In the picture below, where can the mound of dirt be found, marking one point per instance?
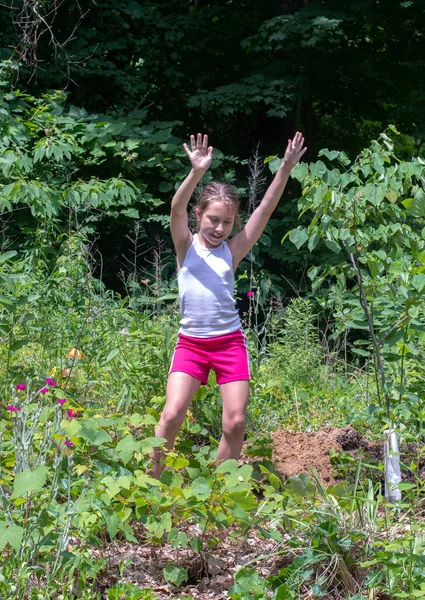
(295, 452)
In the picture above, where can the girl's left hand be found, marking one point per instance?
(294, 150)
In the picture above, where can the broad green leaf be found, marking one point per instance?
(298, 237)
(313, 241)
(113, 522)
(176, 462)
(96, 437)
(274, 164)
(375, 192)
(318, 168)
(300, 171)
(250, 583)
(300, 485)
(332, 245)
(330, 154)
(125, 448)
(195, 544)
(132, 213)
(175, 575)
(392, 196)
(283, 592)
(415, 206)
(72, 427)
(228, 466)
(29, 481)
(245, 500)
(157, 526)
(201, 488)
(11, 534)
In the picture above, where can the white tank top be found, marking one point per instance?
(206, 285)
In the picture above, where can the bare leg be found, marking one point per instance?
(235, 396)
(181, 388)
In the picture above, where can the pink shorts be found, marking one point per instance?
(226, 354)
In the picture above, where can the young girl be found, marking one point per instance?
(210, 336)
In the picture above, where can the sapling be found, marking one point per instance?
(365, 213)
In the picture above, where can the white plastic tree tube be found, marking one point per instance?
(392, 466)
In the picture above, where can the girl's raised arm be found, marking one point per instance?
(200, 157)
(242, 243)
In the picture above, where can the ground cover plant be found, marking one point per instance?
(82, 385)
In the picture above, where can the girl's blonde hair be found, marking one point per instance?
(215, 191)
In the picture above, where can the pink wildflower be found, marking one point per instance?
(250, 294)
(61, 400)
(44, 390)
(20, 386)
(50, 381)
(72, 413)
(13, 408)
(68, 443)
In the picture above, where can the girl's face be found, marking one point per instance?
(215, 223)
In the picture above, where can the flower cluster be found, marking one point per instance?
(13, 408)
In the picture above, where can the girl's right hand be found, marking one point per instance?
(201, 154)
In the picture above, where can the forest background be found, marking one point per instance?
(250, 74)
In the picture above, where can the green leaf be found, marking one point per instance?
(125, 448)
(113, 353)
(299, 172)
(228, 466)
(415, 206)
(72, 428)
(332, 245)
(96, 437)
(313, 241)
(131, 212)
(157, 526)
(176, 463)
(6, 255)
(244, 499)
(298, 237)
(274, 164)
(175, 575)
(201, 488)
(330, 154)
(375, 193)
(29, 481)
(11, 534)
(300, 485)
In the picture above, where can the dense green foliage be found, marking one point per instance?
(86, 177)
(75, 445)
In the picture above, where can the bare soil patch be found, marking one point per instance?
(295, 453)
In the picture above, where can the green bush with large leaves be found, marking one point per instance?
(370, 213)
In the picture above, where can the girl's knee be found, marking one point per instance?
(234, 423)
(171, 417)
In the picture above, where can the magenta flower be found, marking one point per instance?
(68, 443)
(13, 408)
(50, 381)
(72, 413)
(44, 390)
(61, 400)
(20, 386)
(250, 294)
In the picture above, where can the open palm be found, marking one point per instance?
(200, 154)
(294, 150)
